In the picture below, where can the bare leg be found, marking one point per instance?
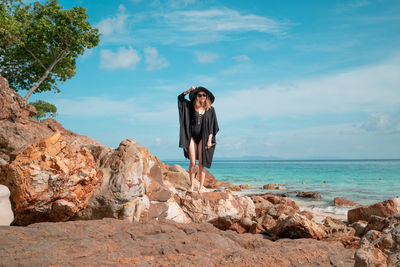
(192, 157)
(202, 173)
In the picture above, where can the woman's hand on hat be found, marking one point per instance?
(191, 89)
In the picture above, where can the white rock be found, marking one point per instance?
(6, 213)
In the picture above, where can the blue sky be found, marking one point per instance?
(292, 79)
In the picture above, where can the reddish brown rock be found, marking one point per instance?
(74, 141)
(269, 187)
(342, 202)
(339, 231)
(261, 205)
(129, 172)
(350, 242)
(13, 107)
(310, 195)
(385, 244)
(380, 224)
(370, 257)
(176, 176)
(359, 227)
(49, 181)
(381, 209)
(17, 128)
(268, 222)
(219, 208)
(298, 226)
(256, 228)
(335, 227)
(233, 187)
(306, 213)
(280, 206)
(114, 243)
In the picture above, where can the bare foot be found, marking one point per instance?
(190, 190)
(201, 191)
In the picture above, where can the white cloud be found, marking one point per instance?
(206, 57)
(220, 20)
(97, 106)
(114, 24)
(351, 5)
(180, 3)
(241, 58)
(364, 89)
(153, 60)
(381, 123)
(184, 27)
(124, 58)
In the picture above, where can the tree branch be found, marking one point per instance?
(47, 72)
(36, 59)
(52, 52)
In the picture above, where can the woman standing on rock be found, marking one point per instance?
(198, 127)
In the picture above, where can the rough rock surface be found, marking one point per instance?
(219, 208)
(6, 213)
(310, 195)
(274, 205)
(17, 128)
(339, 231)
(49, 181)
(269, 187)
(115, 242)
(380, 245)
(342, 202)
(381, 209)
(128, 173)
(298, 226)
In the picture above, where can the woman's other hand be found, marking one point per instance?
(209, 144)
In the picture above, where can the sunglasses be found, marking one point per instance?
(201, 95)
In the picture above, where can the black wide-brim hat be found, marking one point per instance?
(193, 94)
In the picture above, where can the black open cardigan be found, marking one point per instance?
(210, 126)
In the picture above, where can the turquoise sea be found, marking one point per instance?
(361, 181)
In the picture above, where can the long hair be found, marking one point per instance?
(207, 104)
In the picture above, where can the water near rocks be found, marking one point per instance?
(361, 181)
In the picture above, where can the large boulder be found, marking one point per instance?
(381, 209)
(6, 213)
(219, 208)
(158, 243)
(49, 181)
(129, 172)
(298, 226)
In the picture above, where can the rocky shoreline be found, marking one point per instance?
(80, 202)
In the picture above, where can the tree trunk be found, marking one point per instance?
(46, 73)
(36, 85)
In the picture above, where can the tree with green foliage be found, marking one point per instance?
(44, 109)
(40, 42)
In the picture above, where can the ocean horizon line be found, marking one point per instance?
(289, 159)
